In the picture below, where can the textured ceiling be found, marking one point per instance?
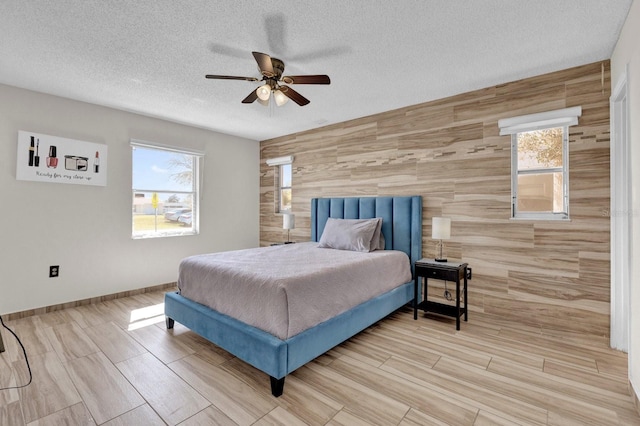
(151, 56)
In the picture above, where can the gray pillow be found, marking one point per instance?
(352, 234)
(377, 241)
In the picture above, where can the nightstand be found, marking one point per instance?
(446, 271)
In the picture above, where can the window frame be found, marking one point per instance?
(278, 164)
(197, 158)
(282, 187)
(560, 118)
(516, 173)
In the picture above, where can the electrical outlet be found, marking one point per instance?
(54, 271)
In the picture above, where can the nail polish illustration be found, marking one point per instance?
(96, 163)
(52, 159)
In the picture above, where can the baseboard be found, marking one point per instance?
(93, 300)
(634, 395)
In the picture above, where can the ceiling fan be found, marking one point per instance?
(274, 82)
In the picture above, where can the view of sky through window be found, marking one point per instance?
(156, 169)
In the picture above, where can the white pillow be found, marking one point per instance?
(352, 234)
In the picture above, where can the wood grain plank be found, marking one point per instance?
(363, 401)
(305, 402)
(435, 403)
(70, 341)
(535, 395)
(52, 391)
(168, 395)
(445, 387)
(279, 416)
(161, 343)
(223, 390)
(114, 342)
(103, 389)
(77, 415)
(142, 415)
(11, 414)
(210, 416)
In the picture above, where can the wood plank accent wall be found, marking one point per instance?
(551, 274)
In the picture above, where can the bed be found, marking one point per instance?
(279, 355)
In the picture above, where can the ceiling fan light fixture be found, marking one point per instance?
(272, 70)
(280, 97)
(264, 92)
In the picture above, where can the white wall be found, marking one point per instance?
(87, 229)
(627, 54)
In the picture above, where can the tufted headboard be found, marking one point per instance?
(401, 219)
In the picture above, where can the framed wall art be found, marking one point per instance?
(53, 159)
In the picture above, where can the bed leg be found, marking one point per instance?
(277, 386)
(169, 322)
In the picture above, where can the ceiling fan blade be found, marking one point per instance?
(306, 79)
(230, 77)
(264, 63)
(275, 25)
(222, 49)
(252, 97)
(294, 96)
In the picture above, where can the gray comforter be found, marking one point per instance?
(287, 289)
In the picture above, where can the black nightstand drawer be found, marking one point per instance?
(438, 274)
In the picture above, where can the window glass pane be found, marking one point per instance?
(164, 193)
(285, 175)
(170, 217)
(156, 168)
(285, 199)
(540, 149)
(540, 192)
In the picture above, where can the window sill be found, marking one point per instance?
(542, 218)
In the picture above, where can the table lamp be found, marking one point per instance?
(441, 230)
(288, 223)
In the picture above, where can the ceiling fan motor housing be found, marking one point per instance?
(278, 68)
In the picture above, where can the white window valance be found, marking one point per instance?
(280, 160)
(153, 145)
(541, 120)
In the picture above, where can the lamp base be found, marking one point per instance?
(440, 260)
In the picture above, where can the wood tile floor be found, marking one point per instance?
(114, 363)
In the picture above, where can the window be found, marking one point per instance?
(540, 178)
(165, 184)
(283, 180)
(285, 187)
(540, 163)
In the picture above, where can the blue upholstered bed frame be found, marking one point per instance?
(402, 229)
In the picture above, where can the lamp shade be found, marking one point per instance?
(288, 221)
(280, 97)
(441, 228)
(264, 92)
